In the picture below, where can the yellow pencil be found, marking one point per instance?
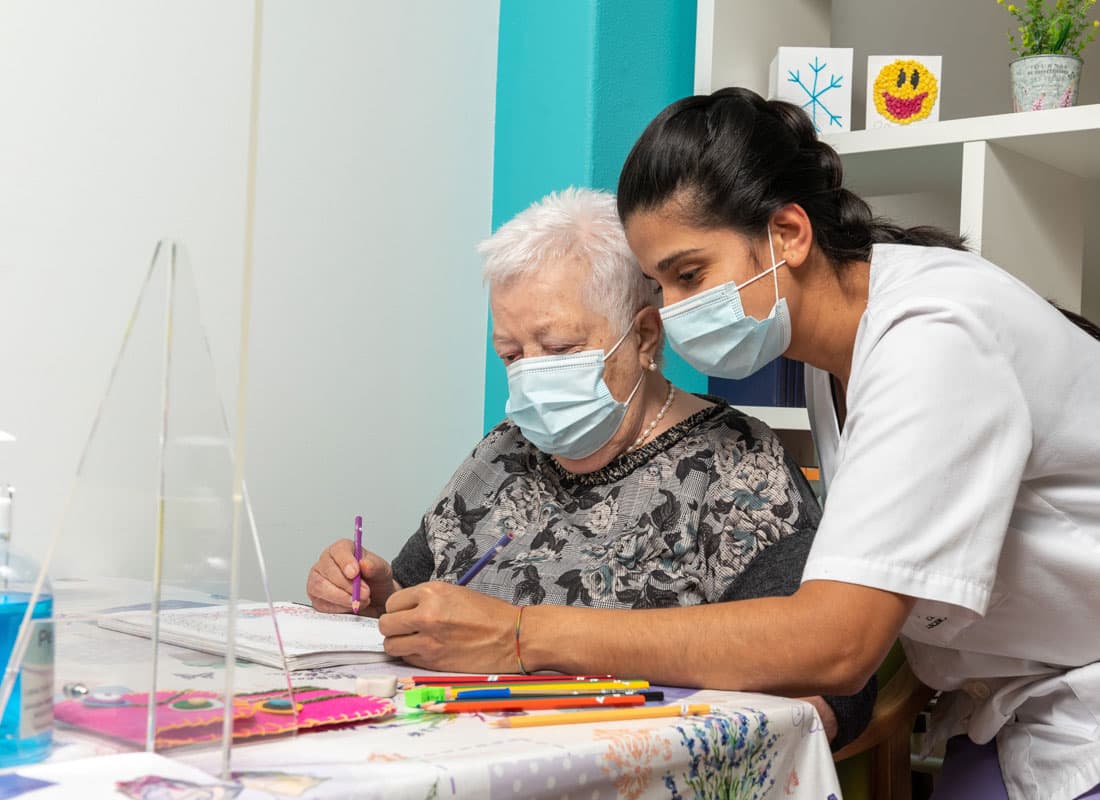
(603, 715)
(591, 687)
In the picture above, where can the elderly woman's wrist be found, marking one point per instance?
(528, 650)
(540, 645)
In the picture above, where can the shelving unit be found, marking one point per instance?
(1024, 188)
(1020, 182)
(781, 418)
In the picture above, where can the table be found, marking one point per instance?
(751, 746)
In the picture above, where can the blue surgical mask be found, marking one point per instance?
(711, 332)
(561, 403)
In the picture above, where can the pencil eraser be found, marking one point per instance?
(377, 685)
(414, 698)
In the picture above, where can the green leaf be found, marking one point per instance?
(1057, 33)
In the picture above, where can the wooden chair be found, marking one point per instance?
(876, 764)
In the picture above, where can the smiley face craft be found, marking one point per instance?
(902, 90)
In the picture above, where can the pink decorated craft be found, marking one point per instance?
(317, 708)
(182, 717)
(193, 717)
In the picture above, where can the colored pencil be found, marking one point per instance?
(482, 562)
(453, 692)
(451, 680)
(601, 715)
(535, 703)
(357, 581)
(614, 683)
(501, 694)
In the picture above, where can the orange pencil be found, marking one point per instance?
(535, 703)
(603, 715)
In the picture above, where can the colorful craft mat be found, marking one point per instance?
(192, 717)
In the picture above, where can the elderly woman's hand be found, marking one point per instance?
(330, 580)
(446, 627)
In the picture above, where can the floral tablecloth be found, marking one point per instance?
(750, 746)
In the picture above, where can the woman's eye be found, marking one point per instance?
(508, 358)
(558, 350)
(688, 277)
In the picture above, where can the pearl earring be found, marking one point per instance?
(652, 365)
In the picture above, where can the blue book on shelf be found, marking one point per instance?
(780, 383)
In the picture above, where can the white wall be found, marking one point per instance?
(126, 121)
(970, 35)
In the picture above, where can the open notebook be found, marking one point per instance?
(312, 640)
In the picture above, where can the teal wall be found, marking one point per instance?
(577, 82)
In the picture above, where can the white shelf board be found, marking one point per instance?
(781, 418)
(928, 157)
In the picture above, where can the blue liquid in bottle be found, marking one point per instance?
(26, 730)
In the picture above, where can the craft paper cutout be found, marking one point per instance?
(283, 784)
(193, 717)
(12, 784)
(154, 787)
(819, 80)
(903, 90)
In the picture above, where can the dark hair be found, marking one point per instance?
(732, 159)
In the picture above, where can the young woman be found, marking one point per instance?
(957, 418)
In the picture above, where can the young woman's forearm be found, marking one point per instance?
(826, 639)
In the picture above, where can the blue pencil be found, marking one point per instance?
(504, 694)
(490, 554)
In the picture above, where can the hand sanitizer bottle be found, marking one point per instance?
(26, 728)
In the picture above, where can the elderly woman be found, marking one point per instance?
(623, 491)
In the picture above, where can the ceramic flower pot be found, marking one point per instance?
(1046, 81)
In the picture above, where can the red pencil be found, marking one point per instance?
(450, 680)
(534, 704)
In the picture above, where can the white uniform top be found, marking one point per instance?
(968, 476)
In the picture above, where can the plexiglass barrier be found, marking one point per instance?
(140, 595)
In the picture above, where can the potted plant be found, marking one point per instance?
(1048, 41)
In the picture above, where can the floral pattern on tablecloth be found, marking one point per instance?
(732, 757)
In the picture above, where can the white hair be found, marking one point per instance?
(573, 223)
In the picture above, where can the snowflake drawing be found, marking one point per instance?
(815, 104)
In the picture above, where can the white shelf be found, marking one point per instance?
(928, 157)
(781, 418)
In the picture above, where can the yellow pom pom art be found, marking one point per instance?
(905, 91)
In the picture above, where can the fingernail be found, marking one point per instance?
(351, 570)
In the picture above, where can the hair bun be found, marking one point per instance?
(800, 125)
(852, 210)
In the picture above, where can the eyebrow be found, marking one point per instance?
(666, 263)
(540, 332)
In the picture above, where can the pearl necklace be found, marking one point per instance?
(652, 425)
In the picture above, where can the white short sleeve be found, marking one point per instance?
(929, 461)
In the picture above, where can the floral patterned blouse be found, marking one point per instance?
(674, 523)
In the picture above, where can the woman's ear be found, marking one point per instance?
(792, 235)
(647, 325)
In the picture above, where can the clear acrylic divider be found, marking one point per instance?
(146, 546)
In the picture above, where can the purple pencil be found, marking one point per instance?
(356, 583)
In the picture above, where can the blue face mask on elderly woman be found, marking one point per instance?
(562, 405)
(711, 332)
